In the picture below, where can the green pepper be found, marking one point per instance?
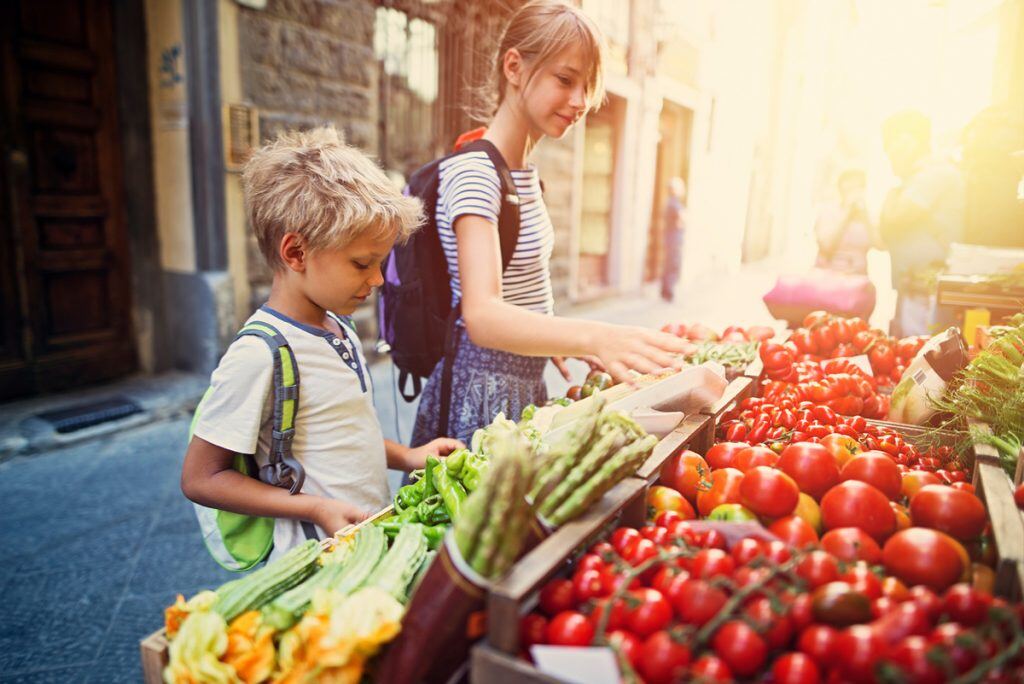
(453, 464)
(474, 470)
(452, 491)
(435, 535)
(416, 475)
(428, 477)
(438, 516)
(426, 508)
(409, 515)
(391, 528)
(411, 495)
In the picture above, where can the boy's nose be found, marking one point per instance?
(376, 277)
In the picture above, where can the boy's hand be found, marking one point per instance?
(442, 446)
(333, 515)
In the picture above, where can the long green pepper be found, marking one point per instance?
(451, 490)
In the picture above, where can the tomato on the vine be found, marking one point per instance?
(742, 648)
(795, 668)
(663, 658)
(647, 611)
(570, 628)
(556, 596)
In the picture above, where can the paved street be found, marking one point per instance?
(97, 537)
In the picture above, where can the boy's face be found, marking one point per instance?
(340, 279)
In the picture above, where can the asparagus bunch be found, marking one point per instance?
(562, 448)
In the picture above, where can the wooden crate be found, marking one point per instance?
(488, 665)
(695, 432)
(154, 657)
(514, 594)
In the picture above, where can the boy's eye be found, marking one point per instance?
(361, 267)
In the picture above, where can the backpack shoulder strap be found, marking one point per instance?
(508, 219)
(283, 470)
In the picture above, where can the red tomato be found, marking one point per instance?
(616, 618)
(570, 628)
(902, 515)
(746, 550)
(532, 630)
(647, 611)
(661, 498)
(818, 568)
(588, 584)
(664, 577)
(623, 536)
(725, 488)
(882, 358)
(769, 492)
(697, 602)
(851, 544)
(914, 480)
(842, 447)
(709, 668)
(663, 658)
(876, 468)
(591, 561)
(811, 466)
(857, 650)
(742, 649)
(777, 551)
(801, 612)
(957, 513)
(1018, 495)
(794, 530)
(775, 627)
(710, 563)
(626, 644)
(910, 657)
(683, 472)
(655, 533)
(966, 487)
(804, 341)
(966, 605)
(858, 504)
(922, 556)
(927, 600)
(556, 597)
(642, 550)
(862, 579)
(955, 641)
(754, 456)
(819, 642)
(723, 454)
(795, 668)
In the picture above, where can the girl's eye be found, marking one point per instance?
(565, 80)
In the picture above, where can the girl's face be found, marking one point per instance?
(555, 97)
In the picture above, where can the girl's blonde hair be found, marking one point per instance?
(312, 183)
(540, 30)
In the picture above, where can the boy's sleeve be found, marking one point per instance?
(233, 412)
(471, 187)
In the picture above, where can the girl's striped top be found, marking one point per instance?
(468, 185)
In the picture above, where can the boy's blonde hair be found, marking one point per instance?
(312, 183)
(540, 30)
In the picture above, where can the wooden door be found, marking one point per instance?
(63, 251)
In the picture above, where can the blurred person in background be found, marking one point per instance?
(843, 229)
(674, 218)
(920, 218)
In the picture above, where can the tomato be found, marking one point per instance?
(862, 579)
(809, 510)
(902, 515)
(777, 552)
(725, 488)
(591, 561)
(966, 605)
(626, 644)
(819, 642)
(963, 487)
(957, 513)
(857, 504)
(795, 668)
(623, 536)
(893, 589)
(663, 659)
(754, 456)
(842, 447)
(927, 600)
(683, 472)
(1018, 495)
(570, 628)
(811, 466)
(709, 668)
(774, 356)
(882, 358)
(910, 657)
(642, 550)
(710, 563)
(746, 550)
(733, 512)
(774, 627)
(824, 339)
(922, 556)
(804, 341)
(839, 605)
(851, 544)
(818, 568)
(983, 578)
(914, 480)
(661, 498)
(740, 647)
(532, 630)
(769, 492)
(857, 650)
(962, 646)
(616, 616)
(723, 454)
(647, 611)
(556, 597)
(877, 469)
(698, 601)
(587, 584)
(800, 611)
(794, 531)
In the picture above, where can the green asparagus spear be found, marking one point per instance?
(564, 449)
(611, 439)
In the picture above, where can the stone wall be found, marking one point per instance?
(554, 160)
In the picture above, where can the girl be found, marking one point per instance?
(547, 75)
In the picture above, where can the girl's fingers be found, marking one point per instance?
(592, 361)
(666, 342)
(642, 364)
(619, 372)
(559, 363)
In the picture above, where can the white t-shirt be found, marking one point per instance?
(338, 438)
(468, 185)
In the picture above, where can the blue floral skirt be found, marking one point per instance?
(485, 382)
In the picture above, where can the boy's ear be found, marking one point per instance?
(293, 252)
(512, 65)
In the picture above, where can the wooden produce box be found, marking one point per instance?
(696, 432)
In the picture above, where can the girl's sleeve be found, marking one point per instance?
(470, 186)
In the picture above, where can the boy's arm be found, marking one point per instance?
(401, 457)
(208, 479)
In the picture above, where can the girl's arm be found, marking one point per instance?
(208, 479)
(493, 323)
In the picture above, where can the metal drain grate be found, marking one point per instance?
(79, 417)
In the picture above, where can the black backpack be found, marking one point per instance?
(414, 311)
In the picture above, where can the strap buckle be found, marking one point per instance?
(285, 472)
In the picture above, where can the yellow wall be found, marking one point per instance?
(171, 159)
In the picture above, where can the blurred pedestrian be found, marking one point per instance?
(843, 229)
(674, 221)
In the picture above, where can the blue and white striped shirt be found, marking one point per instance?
(469, 185)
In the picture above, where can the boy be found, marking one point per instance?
(325, 217)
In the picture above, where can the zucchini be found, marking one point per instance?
(289, 607)
(399, 566)
(263, 585)
(370, 545)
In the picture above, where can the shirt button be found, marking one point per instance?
(336, 342)
(345, 356)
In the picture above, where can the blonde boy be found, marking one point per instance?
(325, 217)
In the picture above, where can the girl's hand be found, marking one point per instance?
(334, 515)
(442, 446)
(559, 363)
(624, 348)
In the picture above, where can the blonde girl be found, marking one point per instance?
(547, 75)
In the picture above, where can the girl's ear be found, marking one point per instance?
(512, 67)
(293, 252)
